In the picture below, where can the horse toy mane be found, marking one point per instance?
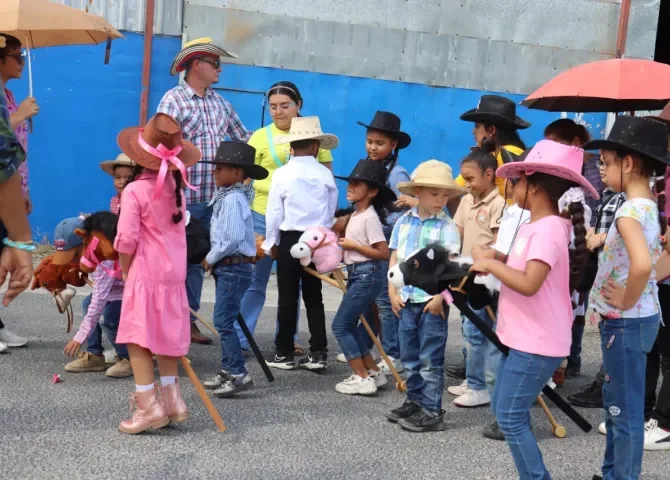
(318, 245)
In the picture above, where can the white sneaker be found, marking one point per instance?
(341, 358)
(473, 398)
(110, 356)
(385, 368)
(602, 428)
(458, 390)
(379, 378)
(655, 438)
(11, 339)
(355, 385)
(3, 347)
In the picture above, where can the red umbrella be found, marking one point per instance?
(616, 85)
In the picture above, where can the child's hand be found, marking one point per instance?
(347, 244)
(482, 253)
(206, 266)
(595, 241)
(615, 294)
(72, 348)
(481, 266)
(396, 304)
(406, 201)
(435, 306)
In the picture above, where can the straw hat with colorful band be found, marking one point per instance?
(431, 174)
(200, 47)
(122, 160)
(496, 110)
(374, 174)
(551, 158)
(159, 146)
(390, 123)
(308, 128)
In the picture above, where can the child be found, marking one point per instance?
(104, 300)
(233, 248)
(365, 248)
(423, 317)
(624, 297)
(535, 310)
(477, 218)
(302, 195)
(151, 242)
(121, 170)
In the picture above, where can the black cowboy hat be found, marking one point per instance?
(374, 174)
(390, 123)
(640, 135)
(496, 110)
(242, 155)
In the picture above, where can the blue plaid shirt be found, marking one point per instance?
(232, 227)
(397, 175)
(11, 151)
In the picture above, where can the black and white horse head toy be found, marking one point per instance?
(435, 269)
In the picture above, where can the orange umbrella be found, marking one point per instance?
(616, 85)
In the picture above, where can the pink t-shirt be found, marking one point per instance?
(541, 324)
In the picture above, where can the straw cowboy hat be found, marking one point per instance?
(200, 47)
(122, 160)
(374, 174)
(496, 110)
(308, 128)
(389, 123)
(432, 174)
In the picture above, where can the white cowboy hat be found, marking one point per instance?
(200, 47)
(121, 161)
(308, 128)
(432, 174)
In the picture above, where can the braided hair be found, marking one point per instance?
(176, 174)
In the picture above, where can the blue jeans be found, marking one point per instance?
(625, 343)
(423, 337)
(492, 355)
(365, 281)
(476, 345)
(111, 316)
(195, 274)
(521, 377)
(231, 283)
(387, 319)
(254, 298)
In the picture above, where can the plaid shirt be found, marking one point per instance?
(11, 151)
(611, 201)
(115, 204)
(591, 172)
(206, 122)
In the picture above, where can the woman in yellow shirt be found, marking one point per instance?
(284, 101)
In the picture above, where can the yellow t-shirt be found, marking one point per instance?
(259, 140)
(500, 182)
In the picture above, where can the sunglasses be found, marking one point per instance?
(214, 63)
(19, 57)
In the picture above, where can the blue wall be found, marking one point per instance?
(84, 104)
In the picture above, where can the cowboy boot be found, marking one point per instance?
(197, 337)
(174, 403)
(150, 413)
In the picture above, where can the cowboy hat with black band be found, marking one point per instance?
(389, 123)
(496, 110)
(240, 155)
(374, 174)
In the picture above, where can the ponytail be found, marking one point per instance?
(178, 216)
(578, 259)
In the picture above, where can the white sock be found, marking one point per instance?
(144, 388)
(168, 380)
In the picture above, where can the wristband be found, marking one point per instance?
(25, 246)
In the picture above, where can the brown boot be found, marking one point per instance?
(150, 413)
(197, 337)
(174, 403)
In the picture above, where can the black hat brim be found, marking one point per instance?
(605, 144)
(403, 138)
(384, 191)
(255, 172)
(475, 116)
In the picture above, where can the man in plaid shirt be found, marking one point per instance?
(206, 119)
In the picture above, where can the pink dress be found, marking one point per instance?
(154, 312)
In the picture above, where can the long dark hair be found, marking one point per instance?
(504, 136)
(566, 130)
(176, 174)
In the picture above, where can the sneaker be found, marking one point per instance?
(314, 361)
(280, 361)
(234, 384)
(3, 347)
(602, 428)
(493, 432)
(87, 363)
(458, 390)
(356, 385)
(341, 358)
(424, 422)
(121, 369)
(217, 380)
(385, 368)
(379, 378)
(455, 371)
(655, 438)
(110, 356)
(573, 370)
(405, 410)
(473, 398)
(10, 339)
(591, 396)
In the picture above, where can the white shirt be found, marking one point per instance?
(302, 195)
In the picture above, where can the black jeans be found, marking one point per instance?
(658, 361)
(289, 275)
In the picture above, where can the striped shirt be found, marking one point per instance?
(206, 122)
(411, 234)
(591, 172)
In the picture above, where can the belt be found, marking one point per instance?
(236, 260)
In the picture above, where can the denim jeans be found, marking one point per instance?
(231, 283)
(476, 345)
(365, 281)
(387, 319)
(521, 377)
(625, 343)
(254, 298)
(195, 274)
(423, 338)
(110, 323)
(492, 355)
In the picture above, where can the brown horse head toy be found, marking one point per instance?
(97, 233)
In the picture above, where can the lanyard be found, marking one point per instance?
(271, 145)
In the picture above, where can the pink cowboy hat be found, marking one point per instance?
(551, 158)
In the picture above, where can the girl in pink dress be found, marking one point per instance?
(151, 241)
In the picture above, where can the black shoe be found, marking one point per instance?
(282, 362)
(455, 371)
(591, 396)
(493, 432)
(597, 477)
(314, 361)
(406, 410)
(573, 370)
(424, 422)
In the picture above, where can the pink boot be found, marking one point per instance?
(150, 413)
(174, 403)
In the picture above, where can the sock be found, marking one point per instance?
(144, 388)
(168, 380)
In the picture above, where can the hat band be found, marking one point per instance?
(167, 157)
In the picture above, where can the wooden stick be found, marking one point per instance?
(213, 412)
(203, 321)
(558, 429)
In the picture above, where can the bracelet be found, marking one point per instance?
(25, 246)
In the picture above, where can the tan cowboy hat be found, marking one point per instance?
(308, 128)
(432, 174)
(122, 160)
(161, 129)
(200, 47)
